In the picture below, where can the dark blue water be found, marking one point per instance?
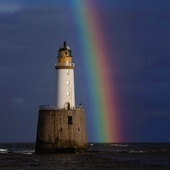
(99, 156)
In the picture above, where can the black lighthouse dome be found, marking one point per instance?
(65, 55)
(65, 48)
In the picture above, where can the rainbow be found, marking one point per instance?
(100, 81)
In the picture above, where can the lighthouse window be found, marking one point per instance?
(68, 82)
(70, 121)
(68, 93)
(68, 72)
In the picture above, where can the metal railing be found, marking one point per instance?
(47, 107)
(65, 64)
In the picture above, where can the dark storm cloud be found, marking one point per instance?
(140, 44)
(141, 5)
(27, 48)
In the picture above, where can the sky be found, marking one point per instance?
(138, 38)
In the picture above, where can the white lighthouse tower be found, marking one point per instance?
(65, 93)
(62, 129)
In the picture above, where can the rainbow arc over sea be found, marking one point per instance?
(100, 80)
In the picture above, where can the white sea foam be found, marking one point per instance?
(25, 152)
(3, 150)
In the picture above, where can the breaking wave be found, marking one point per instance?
(3, 150)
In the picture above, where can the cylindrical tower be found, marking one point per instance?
(65, 92)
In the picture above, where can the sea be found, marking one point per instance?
(22, 156)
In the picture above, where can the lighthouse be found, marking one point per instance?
(65, 92)
(62, 129)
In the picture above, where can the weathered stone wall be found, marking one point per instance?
(61, 130)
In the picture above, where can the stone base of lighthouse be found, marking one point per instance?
(61, 131)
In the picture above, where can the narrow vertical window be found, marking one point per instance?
(68, 72)
(67, 82)
(68, 93)
(70, 121)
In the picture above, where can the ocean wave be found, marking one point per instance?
(3, 150)
(133, 151)
(121, 145)
(25, 152)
